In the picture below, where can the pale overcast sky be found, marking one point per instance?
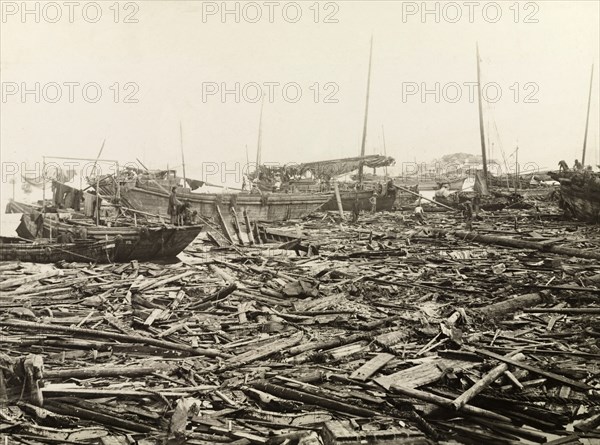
(178, 50)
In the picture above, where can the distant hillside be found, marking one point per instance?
(462, 158)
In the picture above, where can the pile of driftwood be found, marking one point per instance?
(382, 332)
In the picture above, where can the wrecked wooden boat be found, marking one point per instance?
(46, 251)
(317, 177)
(579, 194)
(150, 193)
(148, 242)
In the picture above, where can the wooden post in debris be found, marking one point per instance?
(338, 199)
(238, 228)
(248, 227)
(257, 234)
(223, 224)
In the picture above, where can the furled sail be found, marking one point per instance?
(337, 167)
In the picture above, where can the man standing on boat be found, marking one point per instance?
(173, 205)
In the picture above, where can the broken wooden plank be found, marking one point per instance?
(423, 374)
(371, 367)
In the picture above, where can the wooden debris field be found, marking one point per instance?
(382, 332)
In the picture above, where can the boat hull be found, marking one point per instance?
(582, 204)
(384, 203)
(259, 207)
(131, 243)
(579, 194)
(82, 252)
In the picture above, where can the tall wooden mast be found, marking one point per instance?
(259, 143)
(481, 131)
(182, 157)
(364, 135)
(587, 119)
(384, 150)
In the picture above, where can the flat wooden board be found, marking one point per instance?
(424, 373)
(372, 366)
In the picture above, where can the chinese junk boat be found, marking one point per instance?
(45, 251)
(580, 188)
(580, 194)
(132, 241)
(337, 167)
(317, 177)
(149, 192)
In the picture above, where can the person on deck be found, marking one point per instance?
(390, 187)
(174, 203)
(577, 165)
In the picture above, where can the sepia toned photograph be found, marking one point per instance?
(311, 222)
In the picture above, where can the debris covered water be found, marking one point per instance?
(384, 331)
